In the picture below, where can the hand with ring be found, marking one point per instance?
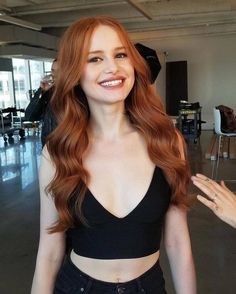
(221, 200)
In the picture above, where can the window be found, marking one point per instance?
(21, 82)
(20, 86)
(47, 67)
(27, 76)
(36, 73)
(22, 69)
(6, 89)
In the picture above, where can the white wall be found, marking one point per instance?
(211, 69)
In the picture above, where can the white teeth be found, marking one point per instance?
(111, 83)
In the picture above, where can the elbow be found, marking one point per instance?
(175, 248)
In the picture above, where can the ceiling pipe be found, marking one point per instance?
(19, 22)
(141, 9)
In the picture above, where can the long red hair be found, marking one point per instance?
(69, 141)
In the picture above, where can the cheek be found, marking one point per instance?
(132, 75)
(86, 75)
(90, 76)
(85, 80)
(130, 69)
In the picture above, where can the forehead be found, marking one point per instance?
(104, 37)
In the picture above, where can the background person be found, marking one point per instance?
(39, 108)
(114, 171)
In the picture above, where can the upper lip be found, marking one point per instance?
(112, 79)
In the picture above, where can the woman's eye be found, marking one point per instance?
(121, 55)
(94, 59)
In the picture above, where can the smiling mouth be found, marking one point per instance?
(112, 83)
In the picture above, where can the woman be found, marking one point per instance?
(221, 200)
(114, 173)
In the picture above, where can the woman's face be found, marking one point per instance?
(108, 75)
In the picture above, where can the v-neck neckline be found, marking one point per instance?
(135, 207)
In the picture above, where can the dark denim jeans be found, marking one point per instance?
(71, 280)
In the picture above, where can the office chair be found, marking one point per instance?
(220, 135)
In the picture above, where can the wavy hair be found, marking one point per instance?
(69, 141)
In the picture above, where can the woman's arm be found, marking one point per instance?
(51, 246)
(178, 249)
(178, 245)
(221, 200)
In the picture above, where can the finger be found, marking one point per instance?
(208, 203)
(214, 187)
(202, 179)
(224, 186)
(201, 176)
(207, 189)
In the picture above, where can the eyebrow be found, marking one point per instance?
(101, 51)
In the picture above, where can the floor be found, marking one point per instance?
(213, 242)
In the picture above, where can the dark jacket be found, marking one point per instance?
(39, 109)
(37, 106)
(49, 123)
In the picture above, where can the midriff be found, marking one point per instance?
(114, 270)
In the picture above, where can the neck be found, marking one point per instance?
(109, 123)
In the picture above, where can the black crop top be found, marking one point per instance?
(136, 235)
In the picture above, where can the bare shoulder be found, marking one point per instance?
(46, 156)
(47, 168)
(48, 210)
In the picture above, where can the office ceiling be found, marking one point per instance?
(25, 22)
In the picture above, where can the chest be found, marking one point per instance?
(151, 208)
(120, 174)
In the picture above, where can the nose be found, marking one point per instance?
(111, 66)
